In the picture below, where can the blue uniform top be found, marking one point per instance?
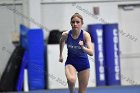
(76, 56)
(74, 49)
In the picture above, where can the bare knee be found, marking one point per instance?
(71, 80)
(82, 86)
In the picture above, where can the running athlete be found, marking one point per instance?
(79, 45)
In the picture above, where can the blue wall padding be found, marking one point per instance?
(36, 68)
(112, 57)
(23, 35)
(96, 33)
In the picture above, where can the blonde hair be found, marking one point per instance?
(77, 15)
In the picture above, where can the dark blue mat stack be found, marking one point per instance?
(23, 42)
(32, 41)
(112, 56)
(36, 68)
(96, 32)
(107, 60)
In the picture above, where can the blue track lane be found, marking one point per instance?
(112, 89)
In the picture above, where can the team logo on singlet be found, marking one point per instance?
(74, 47)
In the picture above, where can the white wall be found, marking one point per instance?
(53, 1)
(57, 15)
(129, 43)
(9, 23)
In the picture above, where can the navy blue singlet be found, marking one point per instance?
(76, 56)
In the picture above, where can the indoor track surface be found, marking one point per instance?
(112, 89)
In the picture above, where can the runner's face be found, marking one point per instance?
(76, 23)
